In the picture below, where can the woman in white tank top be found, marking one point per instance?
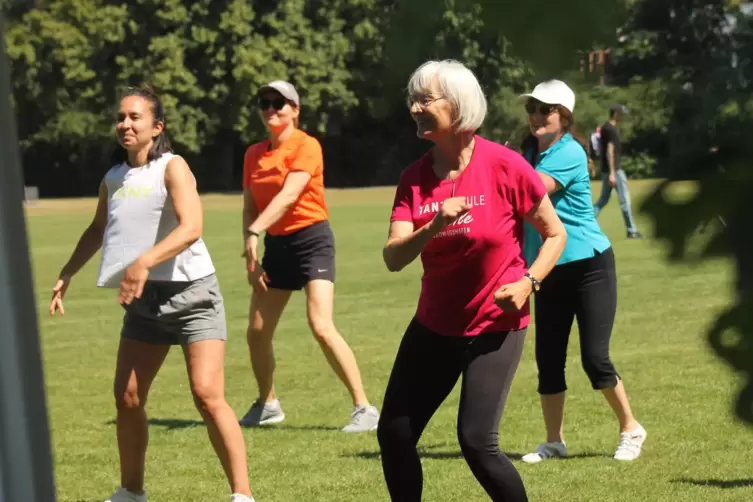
(148, 223)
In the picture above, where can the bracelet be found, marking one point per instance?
(534, 282)
(251, 232)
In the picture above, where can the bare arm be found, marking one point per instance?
(610, 159)
(550, 183)
(91, 238)
(591, 169)
(545, 220)
(250, 212)
(88, 244)
(404, 244)
(181, 188)
(294, 184)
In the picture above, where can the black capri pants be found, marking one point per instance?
(585, 290)
(426, 369)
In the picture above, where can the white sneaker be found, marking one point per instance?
(363, 419)
(630, 444)
(263, 414)
(123, 495)
(239, 497)
(546, 451)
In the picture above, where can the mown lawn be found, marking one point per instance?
(680, 392)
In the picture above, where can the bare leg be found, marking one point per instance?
(266, 309)
(618, 400)
(553, 406)
(205, 365)
(320, 295)
(138, 364)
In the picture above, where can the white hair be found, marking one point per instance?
(458, 85)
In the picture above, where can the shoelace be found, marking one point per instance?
(544, 452)
(626, 443)
(358, 414)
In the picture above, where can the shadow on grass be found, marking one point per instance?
(175, 423)
(445, 455)
(182, 423)
(272, 428)
(438, 455)
(170, 423)
(717, 483)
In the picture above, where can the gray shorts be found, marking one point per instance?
(177, 313)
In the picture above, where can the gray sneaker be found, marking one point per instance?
(263, 414)
(363, 419)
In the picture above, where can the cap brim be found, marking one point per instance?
(537, 98)
(268, 88)
(281, 91)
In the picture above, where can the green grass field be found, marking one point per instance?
(679, 391)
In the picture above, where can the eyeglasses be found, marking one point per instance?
(542, 108)
(277, 103)
(423, 100)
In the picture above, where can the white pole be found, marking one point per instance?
(25, 455)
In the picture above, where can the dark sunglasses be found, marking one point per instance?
(535, 106)
(277, 103)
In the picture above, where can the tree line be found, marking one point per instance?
(350, 60)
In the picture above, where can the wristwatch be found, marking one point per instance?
(534, 281)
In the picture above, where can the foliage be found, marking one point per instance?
(547, 40)
(639, 166)
(71, 58)
(350, 60)
(697, 51)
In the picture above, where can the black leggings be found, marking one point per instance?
(587, 291)
(426, 369)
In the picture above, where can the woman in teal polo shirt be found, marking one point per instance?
(583, 285)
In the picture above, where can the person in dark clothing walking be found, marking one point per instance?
(612, 175)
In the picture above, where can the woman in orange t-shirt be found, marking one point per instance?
(283, 187)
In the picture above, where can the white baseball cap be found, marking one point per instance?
(285, 88)
(553, 92)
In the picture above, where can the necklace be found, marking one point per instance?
(463, 164)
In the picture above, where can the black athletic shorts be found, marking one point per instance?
(292, 261)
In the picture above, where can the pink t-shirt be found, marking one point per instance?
(482, 250)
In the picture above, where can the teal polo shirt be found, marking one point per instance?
(566, 162)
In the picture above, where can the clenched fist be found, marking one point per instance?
(451, 210)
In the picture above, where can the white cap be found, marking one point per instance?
(285, 88)
(553, 92)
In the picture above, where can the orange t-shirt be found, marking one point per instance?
(264, 172)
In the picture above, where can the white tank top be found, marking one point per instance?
(139, 214)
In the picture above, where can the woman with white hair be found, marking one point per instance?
(461, 207)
